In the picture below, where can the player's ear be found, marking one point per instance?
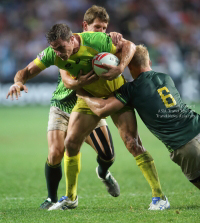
(85, 26)
(72, 39)
(150, 63)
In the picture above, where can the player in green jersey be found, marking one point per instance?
(162, 110)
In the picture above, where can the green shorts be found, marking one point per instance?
(188, 158)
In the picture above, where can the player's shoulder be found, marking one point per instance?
(154, 74)
(46, 53)
(159, 78)
(90, 33)
(90, 37)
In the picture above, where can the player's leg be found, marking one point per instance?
(188, 158)
(101, 140)
(80, 126)
(57, 127)
(53, 169)
(127, 126)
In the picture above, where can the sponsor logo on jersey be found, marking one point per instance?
(41, 55)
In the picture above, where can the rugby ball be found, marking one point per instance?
(106, 58)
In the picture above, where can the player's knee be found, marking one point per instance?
(55, 155)
(107, 157)
(72, 145)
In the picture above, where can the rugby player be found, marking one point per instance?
(162, 110)
(84, 46)
(64, 51)
(64, 98)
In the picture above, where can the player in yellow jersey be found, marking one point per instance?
(64, 98)
(67, 48)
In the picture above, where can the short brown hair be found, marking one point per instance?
(141, 57)
(96, 12)
(58, 31)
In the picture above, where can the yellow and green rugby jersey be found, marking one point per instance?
(161, 108)
(91, 44)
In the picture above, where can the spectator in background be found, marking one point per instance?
(170, 29)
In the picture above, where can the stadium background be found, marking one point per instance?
(171, 31)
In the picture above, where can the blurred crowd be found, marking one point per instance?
(169, 28)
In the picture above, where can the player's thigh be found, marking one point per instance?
(126, 123)
(80, 126)
(188, 158)
(57, 129)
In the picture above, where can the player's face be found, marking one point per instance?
(96, 26)
(62, 48)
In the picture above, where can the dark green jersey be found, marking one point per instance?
(91, 44)
(159, 105)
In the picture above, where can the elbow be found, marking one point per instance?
(132, 47)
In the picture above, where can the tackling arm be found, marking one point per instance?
(101, 107)
(80, 81)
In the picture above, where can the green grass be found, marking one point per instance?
(23, 152)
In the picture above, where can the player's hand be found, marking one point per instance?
(87, 78)
(116, 37)
(15, 90)
(113, 72)
(81, 93)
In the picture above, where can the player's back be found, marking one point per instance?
(161, 108)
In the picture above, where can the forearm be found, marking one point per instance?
(27, 73)
(127, 53)
(97, 105)
(21, 76)
(71, 83)
(79, 82)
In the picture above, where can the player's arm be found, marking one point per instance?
(80, 81)
(21, 77)
(127, 50)
(116, 37)
(101, 107)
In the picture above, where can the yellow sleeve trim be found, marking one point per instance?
(38, 63)
(113, 49)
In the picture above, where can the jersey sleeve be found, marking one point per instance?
(45, 59)
(122, 94)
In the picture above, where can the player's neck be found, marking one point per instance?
(135, 72)
(77, 42)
